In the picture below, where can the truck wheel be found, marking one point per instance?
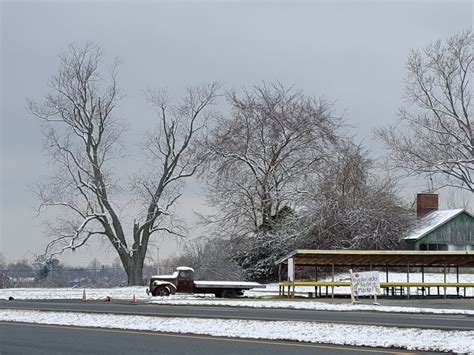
(164, 291)
(161, 291)
(229, 294)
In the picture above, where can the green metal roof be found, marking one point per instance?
(380, 258)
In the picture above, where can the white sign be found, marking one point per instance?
(291, 269)
(365, 283)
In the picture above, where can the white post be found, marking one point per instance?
(157, 262)
(291, 277)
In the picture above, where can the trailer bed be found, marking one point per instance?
(227, 284)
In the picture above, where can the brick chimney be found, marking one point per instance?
(426, 202)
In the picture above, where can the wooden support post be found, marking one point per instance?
(423, 280)
(332, 296)
(408, 280)
(279, 279)
(457, 280)
(370, 269)
(352, 288)
(386, 273)
(444, 281)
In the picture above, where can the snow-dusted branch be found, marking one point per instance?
(437, 139)
(273, 140)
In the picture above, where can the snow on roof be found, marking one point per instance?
(184, 268)
(432, 221)
(175, 275)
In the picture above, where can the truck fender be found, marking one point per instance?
(168, 286)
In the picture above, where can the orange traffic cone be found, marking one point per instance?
(84, 297)
(134, 299)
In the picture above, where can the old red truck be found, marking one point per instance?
(182, 281)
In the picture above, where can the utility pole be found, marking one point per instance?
(157, 260)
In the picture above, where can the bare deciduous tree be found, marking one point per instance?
(353, 207)
(82, 137)
(437, 136)
(347, 207)
(262, 153)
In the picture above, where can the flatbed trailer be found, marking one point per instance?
(182, 281)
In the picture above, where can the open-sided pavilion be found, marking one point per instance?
(364, 260)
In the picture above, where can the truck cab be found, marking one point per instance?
(182, 280)
(185, 279)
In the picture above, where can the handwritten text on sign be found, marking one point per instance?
(365, 283)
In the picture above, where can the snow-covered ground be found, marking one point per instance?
(122, 293)
(270, 290)
(127, 293)
(257, 298)
(306, 305)
(412, 339)
(343, 334)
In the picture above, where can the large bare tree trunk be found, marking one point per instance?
(134, 270)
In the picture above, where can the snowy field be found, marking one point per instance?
(122, 293)
(311, 305)
(341, 334)
(258, 298)
(125, 293)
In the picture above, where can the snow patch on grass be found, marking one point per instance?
(342, 334)
(123, 293)
(304, 305)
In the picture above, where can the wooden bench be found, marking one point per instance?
(387, 286)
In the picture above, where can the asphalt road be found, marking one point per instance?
(430, 321)
(16, 338)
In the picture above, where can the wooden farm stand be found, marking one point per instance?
(375, 259)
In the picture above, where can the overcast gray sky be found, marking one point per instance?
(352, 52)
